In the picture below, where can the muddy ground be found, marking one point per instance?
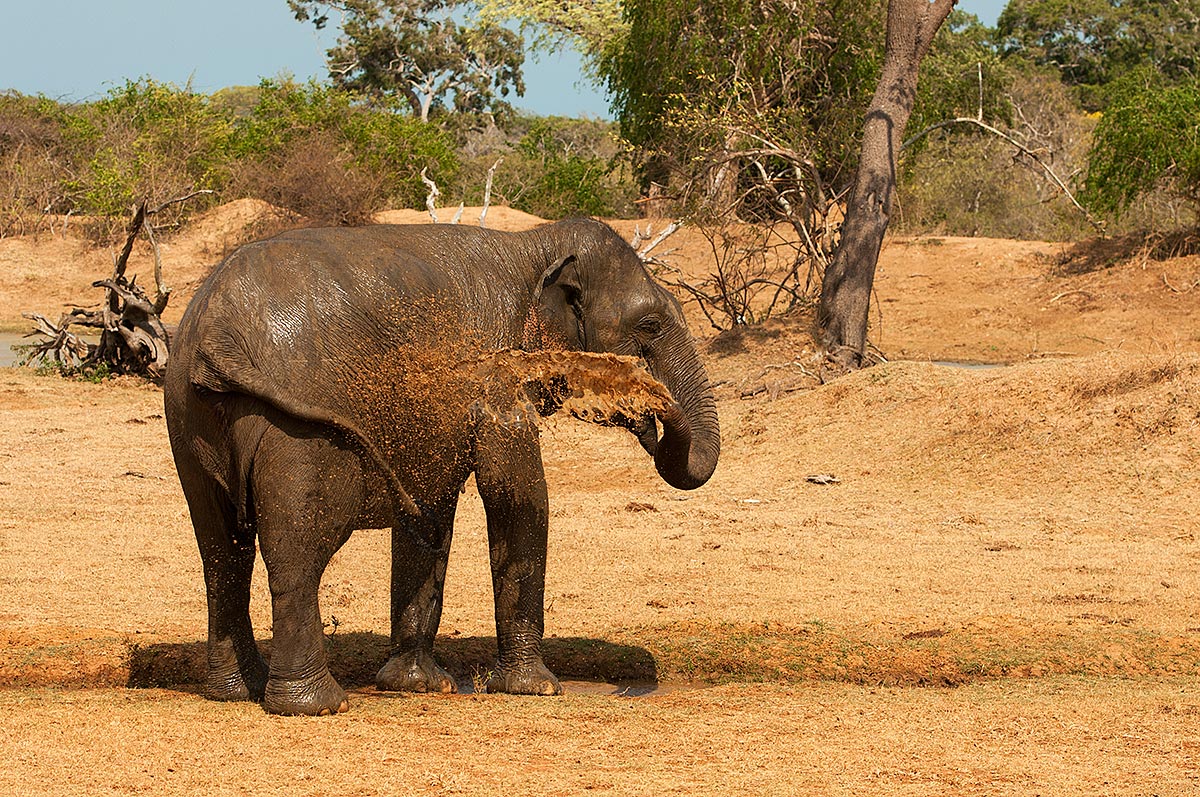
(998, 594)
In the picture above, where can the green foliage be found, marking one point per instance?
(316, 150)
(590, 26)
(144, 139)
(1147, 137)
(419, 51)
(324, 153)
(970, 185)
(1094, 42)
(562, 178)
(552, 167)
(96, 373)
(380, 150)
(692, 82)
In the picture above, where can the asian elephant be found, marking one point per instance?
(320, 383)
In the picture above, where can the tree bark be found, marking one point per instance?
(844, 305)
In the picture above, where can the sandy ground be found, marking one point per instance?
(999, 594)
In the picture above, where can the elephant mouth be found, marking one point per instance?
(645, 429)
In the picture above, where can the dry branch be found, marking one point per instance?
(132, 336)
(982, 125)
(639, 238)
(1173, 289)
(1077, 291)
(487, 191)
(431, 198)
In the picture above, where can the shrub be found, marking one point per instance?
(374, 155)
(144, 140)
(31, 167)
(315, 177)
(1147, 138)
(567, 167)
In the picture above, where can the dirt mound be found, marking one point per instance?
(226, 226)
(499, 217)
(1107, 409)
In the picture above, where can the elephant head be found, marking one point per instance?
(597, 296)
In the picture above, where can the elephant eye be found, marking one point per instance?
(650, 325)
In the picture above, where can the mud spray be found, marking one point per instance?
(597, 388)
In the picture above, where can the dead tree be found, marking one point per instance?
(435, 192)
(133, 339)
(844, 304)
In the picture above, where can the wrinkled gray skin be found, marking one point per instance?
(313, 391)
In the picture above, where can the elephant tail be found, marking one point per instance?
(224, 379)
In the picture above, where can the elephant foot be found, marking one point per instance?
(234, 686)
(314, 697)
(530, 678)
(414, 671)
(227, 680)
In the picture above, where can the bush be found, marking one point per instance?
(316, 178)
(145, 140)
(321, 152)
(559, 167)
(31, 167)
(1147, 138)
(313, 150)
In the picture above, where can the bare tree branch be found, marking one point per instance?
(431, 198)
(1054, 178)
(487, 191)
(644, 252)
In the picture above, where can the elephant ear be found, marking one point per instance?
(556, 306)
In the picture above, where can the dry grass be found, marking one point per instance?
(1048, 736)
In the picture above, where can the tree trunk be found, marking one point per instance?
(721, 190)
(843, 309)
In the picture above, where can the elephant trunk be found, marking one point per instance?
(687, 452)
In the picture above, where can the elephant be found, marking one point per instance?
(320, 384)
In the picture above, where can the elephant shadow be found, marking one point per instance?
(354, 659)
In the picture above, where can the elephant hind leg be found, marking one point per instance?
(307, 492)
(236, 670)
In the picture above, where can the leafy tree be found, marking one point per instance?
(421, 51)
(1148, 137)
(590, 26)
(695, 84)
(842, 311)
(1094, 42)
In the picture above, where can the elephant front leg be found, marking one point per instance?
(420, 549)
(512, 484)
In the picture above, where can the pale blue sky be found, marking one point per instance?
(79, 49)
